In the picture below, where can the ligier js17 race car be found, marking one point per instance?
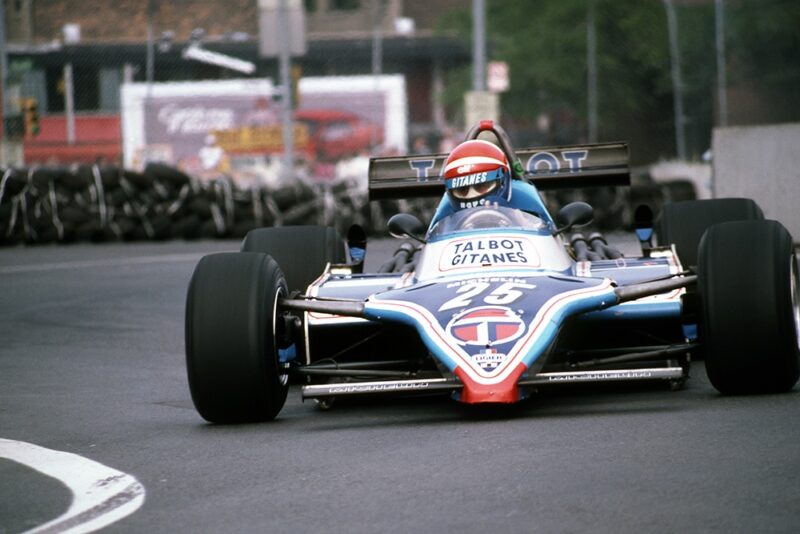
(490, 302)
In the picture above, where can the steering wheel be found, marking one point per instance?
(482, 217)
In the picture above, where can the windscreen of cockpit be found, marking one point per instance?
(485, 218)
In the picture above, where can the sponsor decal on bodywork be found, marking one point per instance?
(485, 326)
(473, 252)
(422, 168)
(375, 388)
(489, 333)
(591, 377)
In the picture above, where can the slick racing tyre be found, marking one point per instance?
(231, 349)
(748, 282)
(683, 223)
(301, 251)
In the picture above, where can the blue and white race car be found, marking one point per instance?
(491, 301)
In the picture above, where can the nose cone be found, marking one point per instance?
(489, 331)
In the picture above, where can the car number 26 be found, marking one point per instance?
(504, 294)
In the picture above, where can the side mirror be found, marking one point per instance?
(406, 225)
(357, 247)
(643, 226)
(574, 214)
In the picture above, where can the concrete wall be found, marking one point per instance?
(762, 163)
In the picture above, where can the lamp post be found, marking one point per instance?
(150, 61)
(377, 38)
(591, 70)
(722, 90)
(677, 84)
(3, 69)
(285, 61)
(478, 45)
(377, 56)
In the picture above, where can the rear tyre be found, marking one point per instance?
(748, 282)
(302, 251)
(683, 223)
(231, 350)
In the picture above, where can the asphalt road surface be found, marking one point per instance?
(93, 392)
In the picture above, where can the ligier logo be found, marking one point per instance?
(489, 359)
(486, 326)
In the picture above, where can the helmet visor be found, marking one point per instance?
(473, 192)
(474, 186)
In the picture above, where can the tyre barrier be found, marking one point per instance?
(106, 203)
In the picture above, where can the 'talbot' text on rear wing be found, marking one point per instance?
(591, 165)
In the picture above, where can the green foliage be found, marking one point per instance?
(633, 53)
(459, 79)
(764, 42)
(545, 44)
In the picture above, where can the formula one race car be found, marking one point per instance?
(491, 300)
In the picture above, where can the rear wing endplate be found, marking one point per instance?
(591, 165)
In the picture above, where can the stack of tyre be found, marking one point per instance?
(101, 203)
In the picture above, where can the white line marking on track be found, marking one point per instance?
(100, 495)
(115, 262)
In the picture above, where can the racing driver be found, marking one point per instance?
(477, 173)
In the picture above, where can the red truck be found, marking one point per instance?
(334, 133)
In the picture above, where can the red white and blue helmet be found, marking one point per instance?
(476, 173)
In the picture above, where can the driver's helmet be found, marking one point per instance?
(477, 173)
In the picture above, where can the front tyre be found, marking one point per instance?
(748, 282)
(231, 350)
(302, 251)
(683, 223)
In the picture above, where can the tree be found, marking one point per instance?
(544, 43)
(763, 60)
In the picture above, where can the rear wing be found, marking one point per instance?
(591, 165)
